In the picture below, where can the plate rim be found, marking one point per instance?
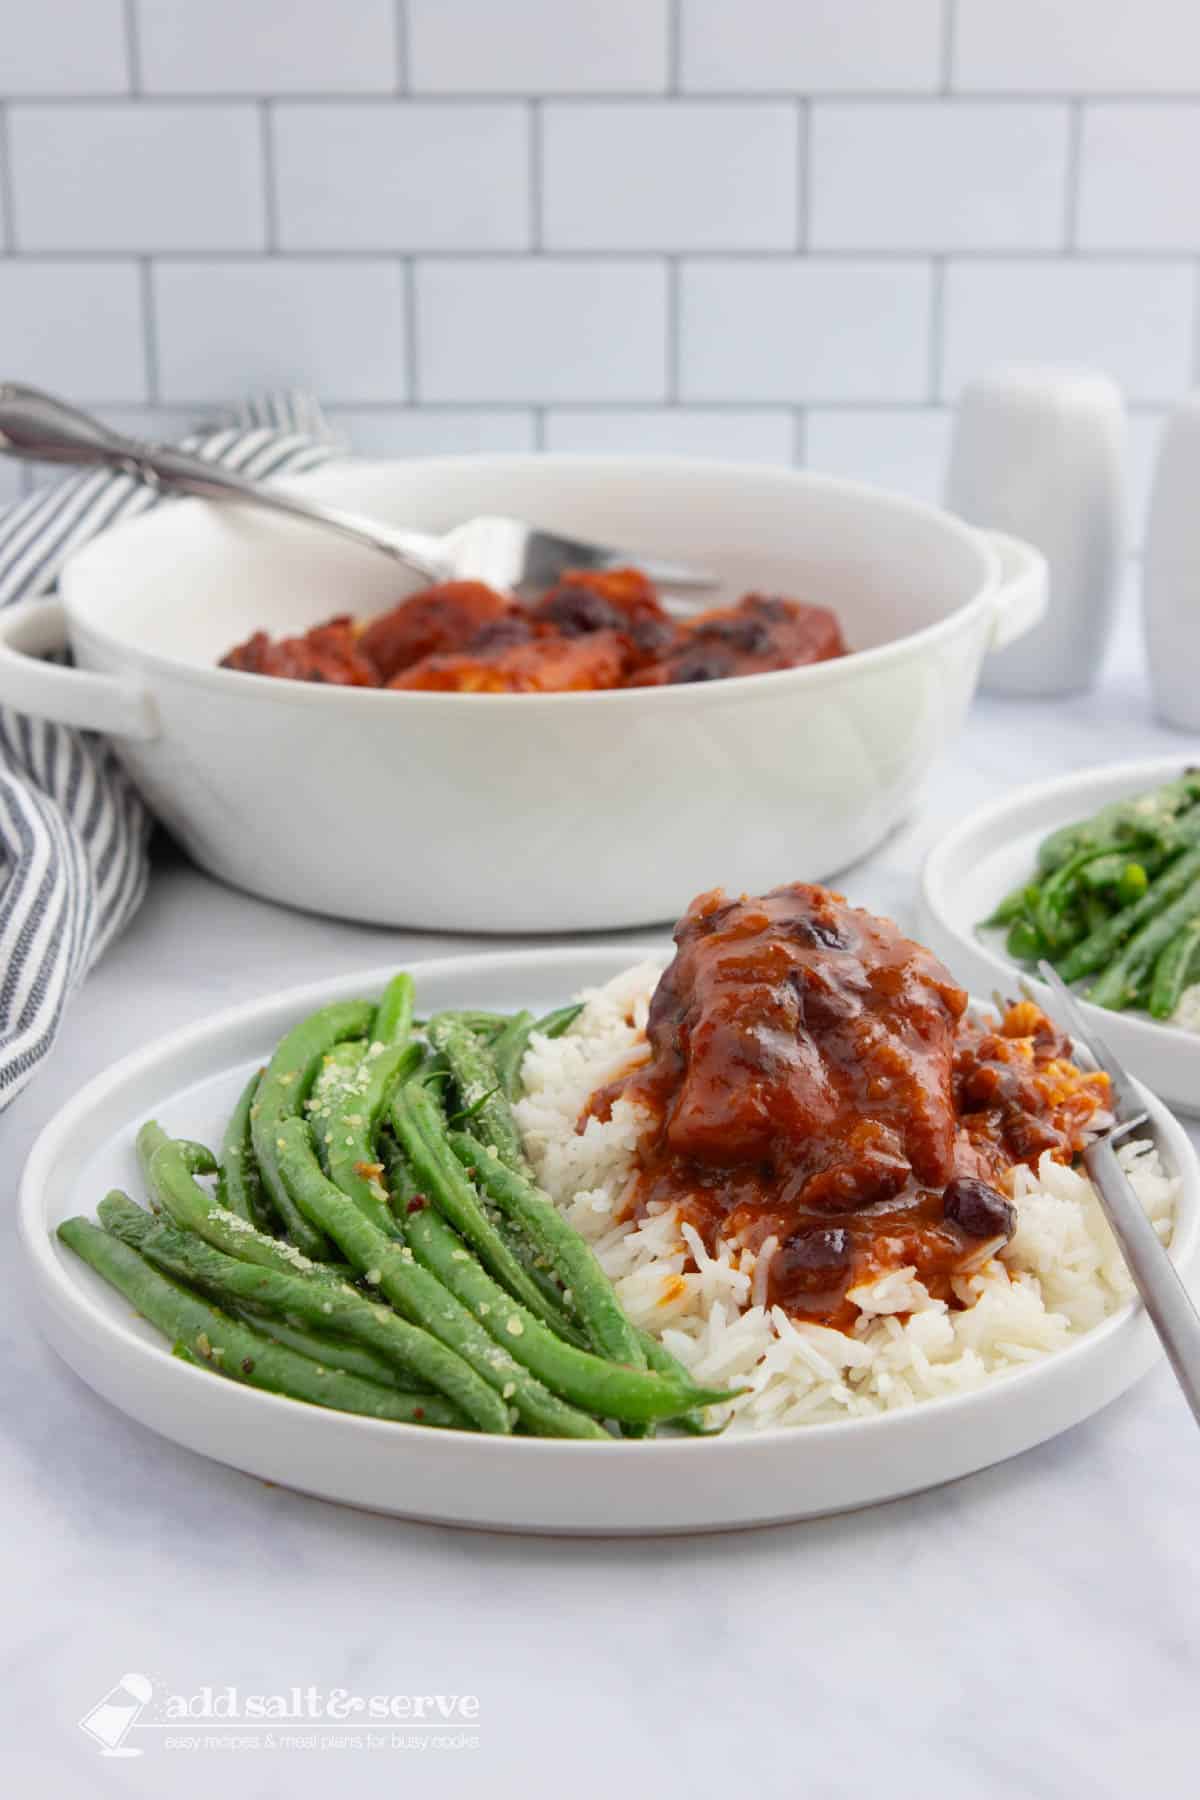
(59, 1285)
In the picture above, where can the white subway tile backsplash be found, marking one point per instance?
(426, 431)
(670, 175)
(226, 327)
(132, 175)
(1077, 46)
(800, 330)
(1137, 176)
(731, 436)
(811, 46)
(75, 327)
(540, 330)
(266, 46)
(1145, 431)
(402, 174)
(937, 175)
(60, 47)
(905, 450)
(538, 46)
(1133, 320)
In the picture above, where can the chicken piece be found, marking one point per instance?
(431, 623)
(328, 653)
(541, 665)
(756, 636)
(590, 600)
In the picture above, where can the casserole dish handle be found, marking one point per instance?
(1024, 589)
(49, 690)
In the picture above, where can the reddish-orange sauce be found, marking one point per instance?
(593, 630)
(814, 1079)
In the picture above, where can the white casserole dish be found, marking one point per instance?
(507, 813)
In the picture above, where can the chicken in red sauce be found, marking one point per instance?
(593, 630)
(814, 1079)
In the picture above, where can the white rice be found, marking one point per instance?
(1061, 1274)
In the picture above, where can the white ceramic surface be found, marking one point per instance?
(189, 1081)
(1040, 452)
(985, 856)
(569, 812)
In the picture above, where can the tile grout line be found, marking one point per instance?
(133, 48)
(403, 48)
(915, 256)
(149, 330)
(408, 267)
(855, 97)
(1073, 176)
(804, 142)
(8, 188)
(799, 437)
(674, 347)
(270, 189)
(674, 24)
(536, 124)
(937, 309)
(949, 34)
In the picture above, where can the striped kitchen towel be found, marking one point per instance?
(73, 831)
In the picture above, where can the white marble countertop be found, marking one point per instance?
(1029, 1631)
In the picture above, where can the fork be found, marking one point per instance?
(506, 553)
(1164, 1296)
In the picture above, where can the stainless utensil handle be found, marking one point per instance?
(1165, 1298)
(40, 427)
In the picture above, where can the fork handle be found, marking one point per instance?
(39, 427)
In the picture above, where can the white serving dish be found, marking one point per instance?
(189, 1081)
(511, 813)
(968, 872)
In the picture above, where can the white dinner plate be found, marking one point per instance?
(970, 870)
(189, 1082)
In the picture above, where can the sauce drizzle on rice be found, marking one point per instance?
(817, 1094)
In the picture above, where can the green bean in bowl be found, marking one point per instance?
(1113, 903)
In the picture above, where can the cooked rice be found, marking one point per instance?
(1061, 1274)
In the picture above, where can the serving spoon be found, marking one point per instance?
(1164, 1296)
(506, 553)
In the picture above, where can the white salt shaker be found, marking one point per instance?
(1040, 453)
(1171, 571)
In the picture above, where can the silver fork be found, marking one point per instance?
(506, 553)
(1157, 1281)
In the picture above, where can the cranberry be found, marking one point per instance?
(978, 1209)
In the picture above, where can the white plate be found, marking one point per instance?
(190, 1080)
(969, 871)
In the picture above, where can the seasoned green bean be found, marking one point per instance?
(419, 1126)
(484, 1104)
(419, 1295)
(393, 1021)
(604, 1388)
(420, 1357)
(595, 1304)
(1102, 946)
(1177, 967)
(554, 1024)
(285, 1086)
(1120, 983)
(508, 1052)
(353, 1125)
(239, 1186)
(236, 1350)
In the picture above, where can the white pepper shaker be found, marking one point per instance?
(1171, 571)
(1040, 453)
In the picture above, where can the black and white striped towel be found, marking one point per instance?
(73, 832)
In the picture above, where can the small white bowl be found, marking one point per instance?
(190, 1080)
(975, 865)
(504, 813)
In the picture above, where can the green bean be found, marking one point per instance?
(1055, 897)
(1101, 946)
(1121, 981)
(1095, 913)
(604, 1388)
(1132, 884)
(234, 1349)
(422, 1134)
(660, 1359)
(479, 1089)
(285, 1086)
(1012, 907)
(352, 1127)
(1142, 816)
(239, 1186)
(393, 1021)
(420, 1358)
(331, 1353)
(1024, 941)
(420, 1296)
(554, 1024)
(508, 1052)
(1177, 966)
(169, 1165)
(594, 1302)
